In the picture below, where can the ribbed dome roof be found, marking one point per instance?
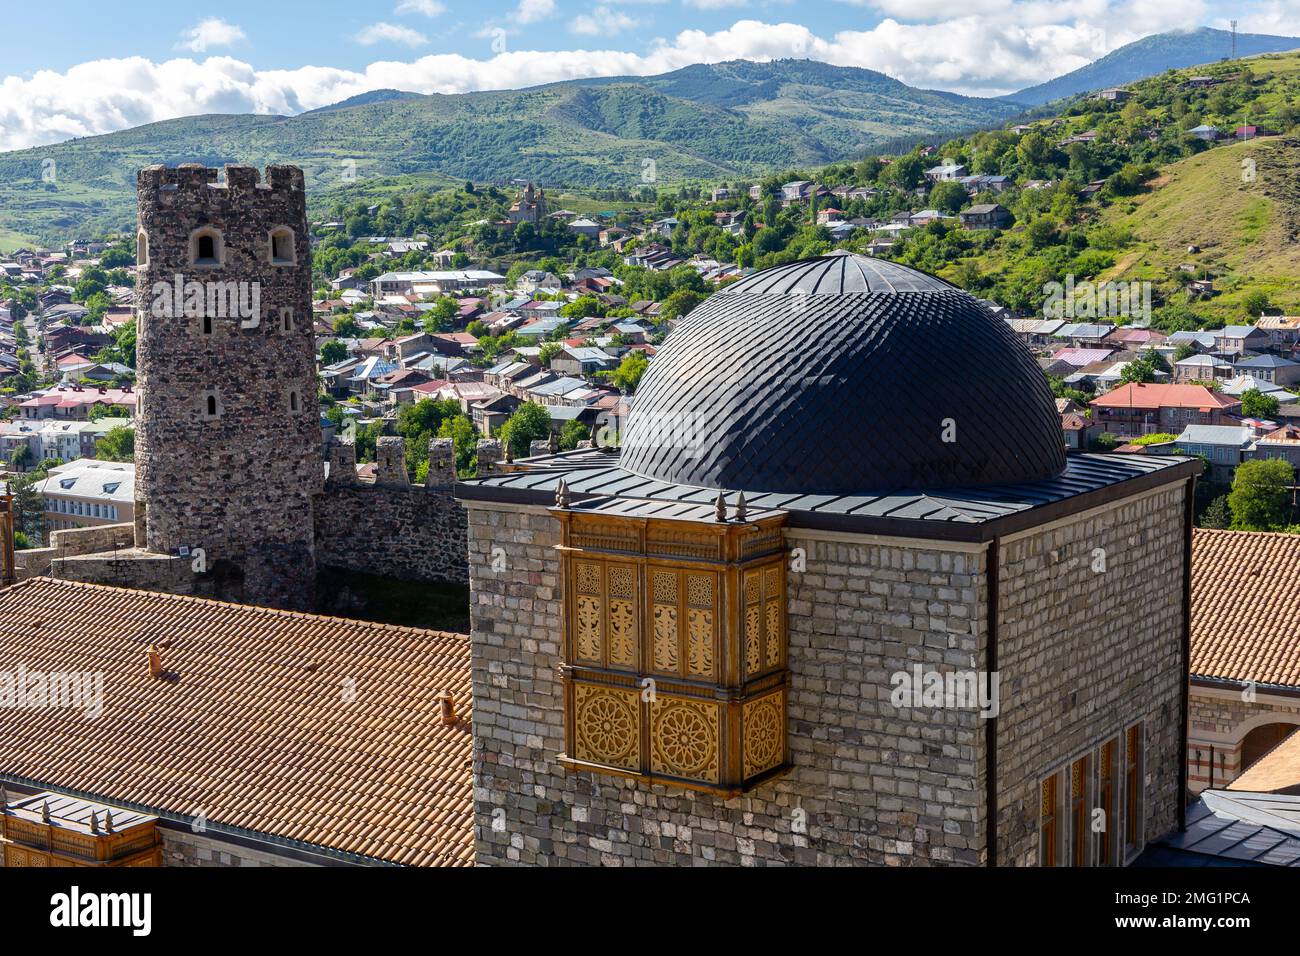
(842, 374)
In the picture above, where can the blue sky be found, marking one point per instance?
(83, 68)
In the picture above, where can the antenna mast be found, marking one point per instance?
(1234, 38)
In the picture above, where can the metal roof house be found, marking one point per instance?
(835, 466)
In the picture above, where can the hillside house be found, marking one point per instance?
(1270, 368)
(988, 215)
(1138, 409)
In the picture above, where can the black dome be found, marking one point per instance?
(842, 374)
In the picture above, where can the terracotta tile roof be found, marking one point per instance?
(251, 722)
(1246, 606)
(1278, 771)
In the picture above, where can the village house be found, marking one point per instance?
(86, 493)
(1224, 446)
(1202, 368)
(1239, 339)
(1137, 409)
(1271, 368)
(1245, 651)
(988, 215)
(1283, 443)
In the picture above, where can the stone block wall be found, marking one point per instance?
(210, 481)
(869, 785)
(1083, 654)
(35, 562)
(141, 570)
(390, 527)
(186, 848)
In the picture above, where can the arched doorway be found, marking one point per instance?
(1261, 740)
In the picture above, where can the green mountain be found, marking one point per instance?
(1151, 55)
(736, 119)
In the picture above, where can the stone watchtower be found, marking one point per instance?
(228, 435)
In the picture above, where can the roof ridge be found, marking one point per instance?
(195, 598)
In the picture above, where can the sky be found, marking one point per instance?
(84, 67)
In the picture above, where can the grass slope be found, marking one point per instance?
(1245, 228)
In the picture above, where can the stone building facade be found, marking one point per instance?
(228, 431)
(869, 783)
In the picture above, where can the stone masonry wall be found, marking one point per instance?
(389, 527)
(35, 562)
(870, 784)
(184, 848)
(238, 484)
(1084, 654)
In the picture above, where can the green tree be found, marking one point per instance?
(1255, 404)
(1217, 514)
(948, 196)
(529, 423)
(1253, 303)
(548, 351)
(1259, 497)
(118, 444)
(572, 433)
(333, 351)
(628, 374)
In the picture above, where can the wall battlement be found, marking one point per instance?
(197, 180)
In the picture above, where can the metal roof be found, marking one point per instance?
(836, 273)
(834, 392)
(973, 514)
(1244, 826)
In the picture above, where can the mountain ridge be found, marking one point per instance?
(1150, 55)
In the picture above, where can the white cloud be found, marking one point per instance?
(390, 33)
(530, 11)
(429, 8)
(212, 32)
(602, 21)
(715, 4)
(986, 53)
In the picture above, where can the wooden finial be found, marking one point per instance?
(108, 821)
(510, 451)
(94, 822)
(553, 443)
(562, 494)
(720, 507)
(45, 812)
(740, 506)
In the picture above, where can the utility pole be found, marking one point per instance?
(1234, 38)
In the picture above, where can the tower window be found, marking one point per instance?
(282, 252)
(206, 248)
(142, 249)
(207, 325)
(293, 402)
(286, 320)
(212, 407)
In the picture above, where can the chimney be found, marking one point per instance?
(155, 660)
(448, 704)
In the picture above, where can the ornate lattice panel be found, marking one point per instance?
(675, 648)
(763, 728)
(608, 726)
(605, 614)
(684, 738)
